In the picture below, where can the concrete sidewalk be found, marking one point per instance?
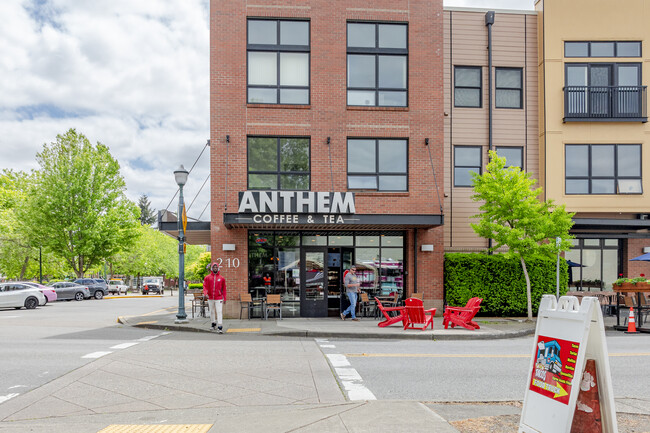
(330, 327)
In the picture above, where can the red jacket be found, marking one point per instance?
(214, 286)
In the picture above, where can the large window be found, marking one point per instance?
(593, 264)
(602, 49)
(467, 86)
(278, 163)
(603, 169)
(513, 155)
(377, 64)
(278, 61)
(378, 164)
(467, 159)
(508, 88)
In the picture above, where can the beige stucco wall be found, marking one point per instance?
(588, 20)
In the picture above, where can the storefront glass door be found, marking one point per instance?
(313, 282)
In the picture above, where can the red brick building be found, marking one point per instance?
(327, 149)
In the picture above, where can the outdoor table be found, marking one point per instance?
(631, 289)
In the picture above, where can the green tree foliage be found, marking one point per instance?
(514, 217)
(499, 279)
(76, 206)
(147, 215)
(198, 268)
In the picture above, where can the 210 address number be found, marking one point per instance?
(229, 263)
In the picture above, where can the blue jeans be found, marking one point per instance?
(352, 296)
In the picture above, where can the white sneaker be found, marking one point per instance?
(220, 331)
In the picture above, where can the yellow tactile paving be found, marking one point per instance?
(244, 330)
(148, 323)
(157, 428)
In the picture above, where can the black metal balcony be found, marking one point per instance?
(605, 104)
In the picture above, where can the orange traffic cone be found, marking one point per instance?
(631, 323)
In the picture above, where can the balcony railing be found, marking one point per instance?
(605, 103)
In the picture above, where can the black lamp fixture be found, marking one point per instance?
(328, 140)
(426, 141)
(227, 138)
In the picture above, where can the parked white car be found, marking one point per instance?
(18, 295)
(117, 287)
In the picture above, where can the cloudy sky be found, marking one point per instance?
(132, 74)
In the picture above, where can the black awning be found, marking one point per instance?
(330, 222)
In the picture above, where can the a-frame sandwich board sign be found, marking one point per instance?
(567, 334)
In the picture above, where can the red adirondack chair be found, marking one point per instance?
(416, 316)
(401, 317)
(462, 316)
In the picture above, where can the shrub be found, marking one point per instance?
(500, 281)
(195, 286)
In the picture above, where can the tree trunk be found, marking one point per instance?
(528, 295)
(24, 269)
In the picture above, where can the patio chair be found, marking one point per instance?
(367, 307)
(198, 303)
(273, 303)
(417, 295)
(416, 316)
(389, 320)
(462, 316)
(247, 303)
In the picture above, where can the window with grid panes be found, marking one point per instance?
(278, 163)
(378, 164)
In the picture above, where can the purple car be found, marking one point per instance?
(50, 294)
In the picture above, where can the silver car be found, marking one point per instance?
(67, 291)
(18, 295)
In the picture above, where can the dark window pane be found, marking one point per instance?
(629, 160)
(392, 99)
(294, 32)
(361, 97)
(361, 35)
(392, 72)
(392, 183)
(628, 49)
(462, 176)
(576, 49)
(602, 186)
(294, 96)
(262, 68)
(577, 186)
(467, 97)
(392, 36)
(600, 75)
(361, 156)
(262, 154)
(512, 156)
(262, 181)
(361, 71)
(362, 182)
(294, 182)
(294, 154)
(392, 156)
(262, 32)
(602, 160)
(262, 96)
(508, 78)
(508, 98)
(577, 160)
(467, 77)
(467, 156)
(602, 49)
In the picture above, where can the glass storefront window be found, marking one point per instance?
(287, 240)
(315, 277)
(337, 240)
(392, 241)
(261, 271)
(367, 241)
(288, 281)
(599, 259)
(314, 240)
(367, 262)
(392, 271)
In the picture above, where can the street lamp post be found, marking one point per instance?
(181, 179)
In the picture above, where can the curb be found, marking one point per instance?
(132, 296)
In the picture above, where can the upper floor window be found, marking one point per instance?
(379, 164)
(603, 169)
(514, 155)
(467, 159)
(602, 49)
(278, 61)
(467, 86)
(280, 163)
(508, 88)
(377, 64)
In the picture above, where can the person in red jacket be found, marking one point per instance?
(214, 289)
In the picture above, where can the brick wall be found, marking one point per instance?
(328, 116)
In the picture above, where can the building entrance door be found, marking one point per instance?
(313, 282)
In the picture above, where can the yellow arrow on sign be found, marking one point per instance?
(561, 392)
(184, 217)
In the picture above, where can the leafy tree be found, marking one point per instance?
(199, 267)
(147, 215)
(514, 217)
(76, 207)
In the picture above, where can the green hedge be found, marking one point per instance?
(500, 281)
(195, 286)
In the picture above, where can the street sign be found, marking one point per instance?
(184, 219)
(567, 334)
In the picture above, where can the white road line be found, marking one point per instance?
(151, 337)
(328, 346)
(4, 398)
(350, 378)
(96, 355)
(17, 386)
(321, 340)
(338, 360)
(357, 391)
(123, 345)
